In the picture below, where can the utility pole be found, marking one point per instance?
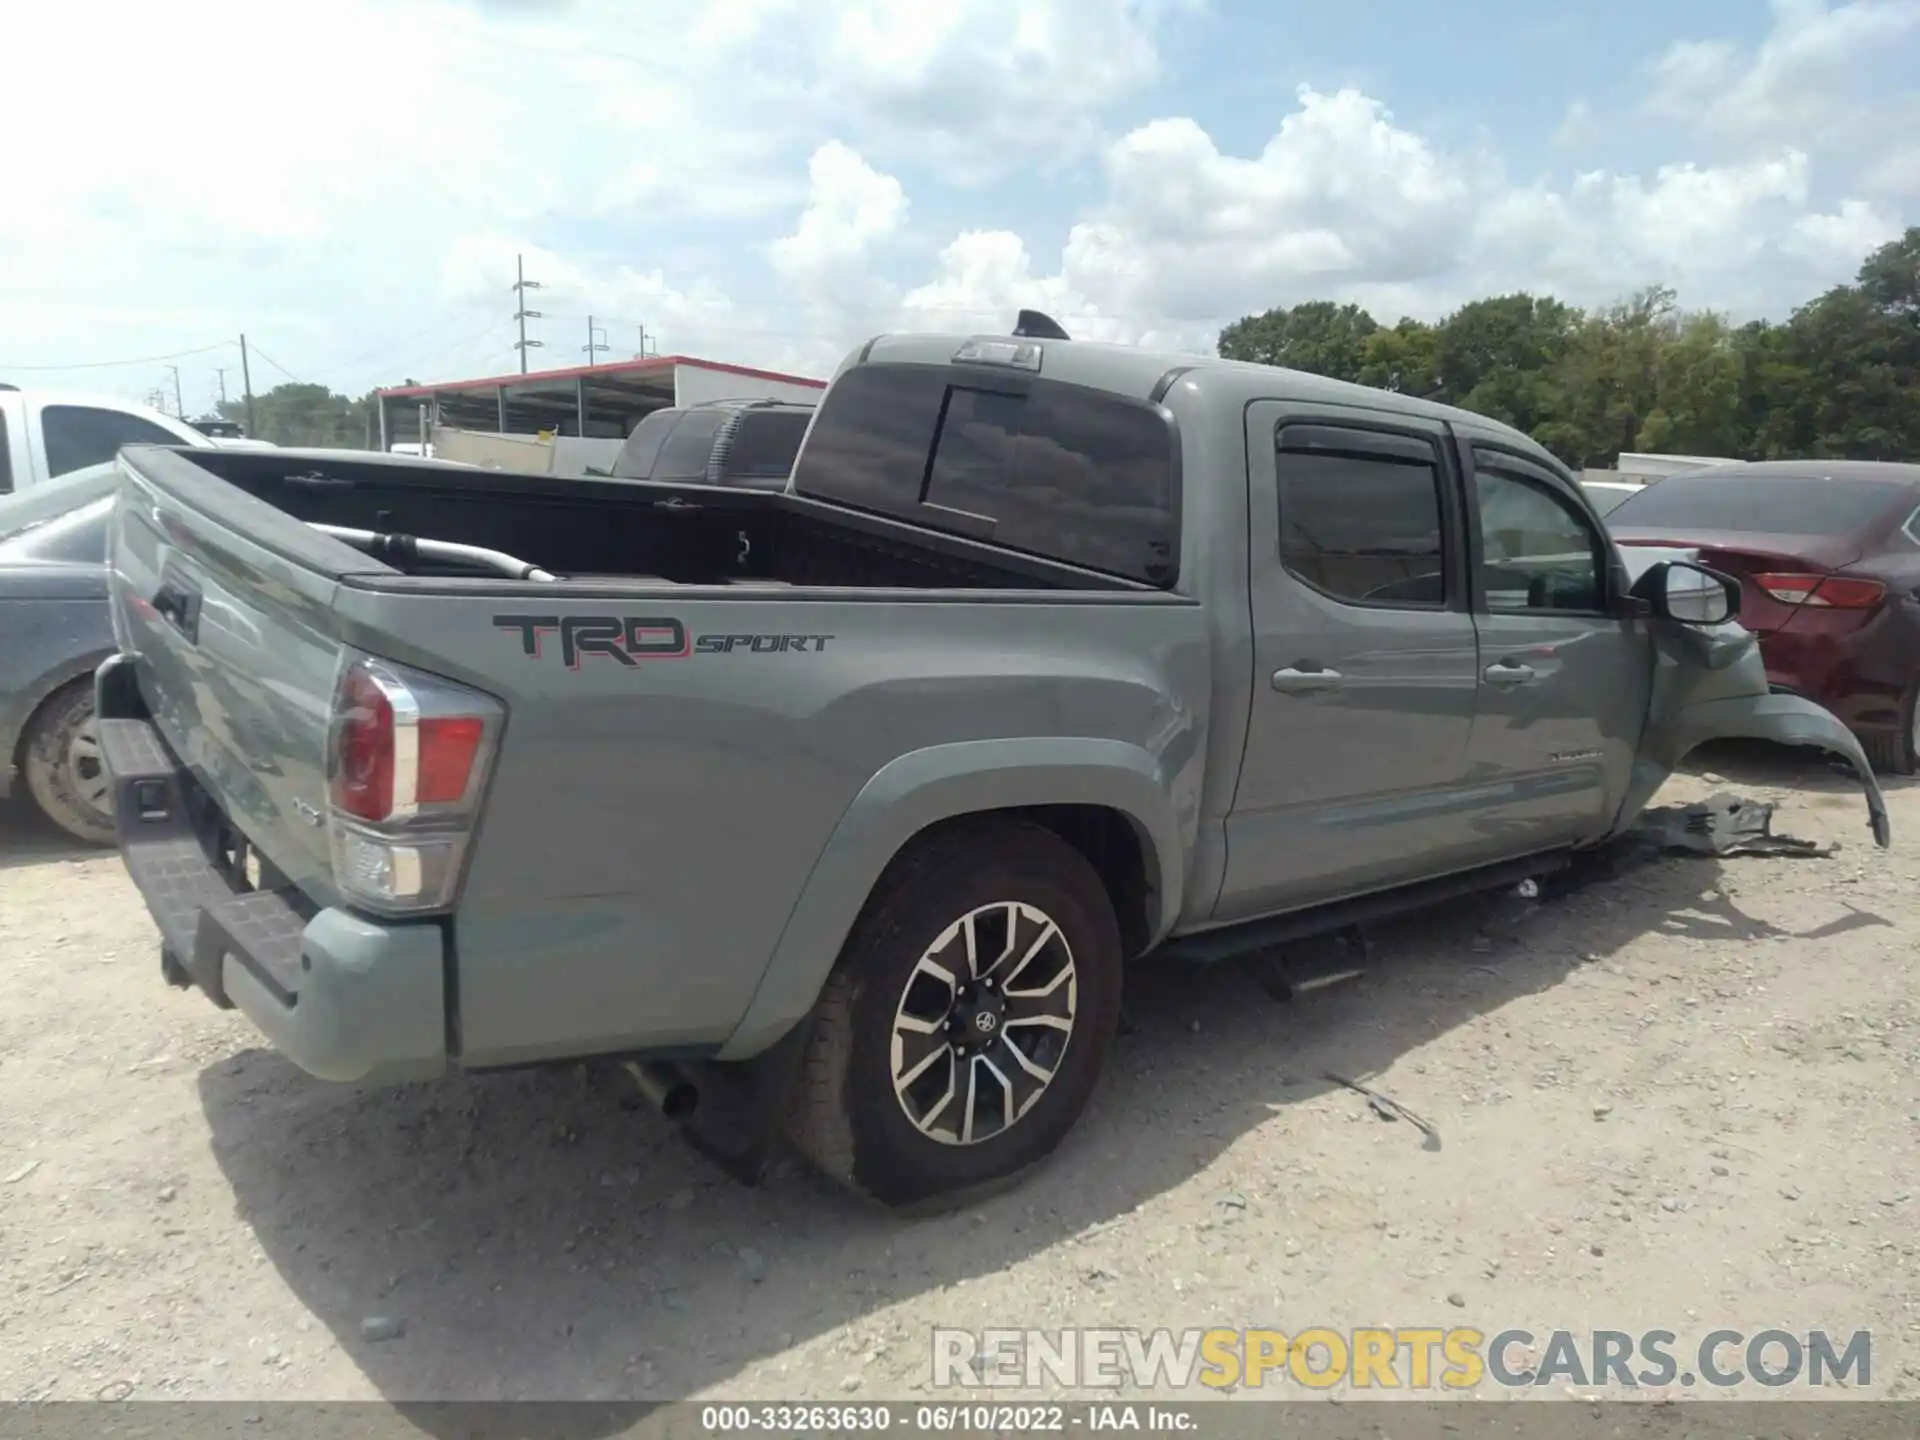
(644, 342)
(594, 344)
(221, 371)
(520, 287)
(179, 405)
(246, 382)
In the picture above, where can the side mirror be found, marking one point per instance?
(1689, 594)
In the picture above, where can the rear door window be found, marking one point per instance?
(1037, 466)
(81, 435)
(1361, 515)
(6, 459)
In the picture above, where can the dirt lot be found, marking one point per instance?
(1686, 1098)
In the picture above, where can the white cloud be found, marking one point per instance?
(1842, 238)
(1840, 77)
(852, 209)
(972, 87)
(1344, 203)
(738, 178)
(335, 168)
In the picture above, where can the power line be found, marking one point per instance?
(390, 345)
(278, 366)
(110, 364)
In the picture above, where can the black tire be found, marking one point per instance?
(62, 768)
(1894, 754)
(846, 1116)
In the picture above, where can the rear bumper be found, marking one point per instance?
(343, 997)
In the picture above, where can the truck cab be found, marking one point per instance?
(47, 433)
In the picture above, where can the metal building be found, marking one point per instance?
(599, 401)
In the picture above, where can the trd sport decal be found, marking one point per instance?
(628, 641)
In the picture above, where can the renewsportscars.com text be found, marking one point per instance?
(1421, 1358)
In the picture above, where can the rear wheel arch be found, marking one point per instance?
(44, 690)
(1106, 799)
(1110, 840)
(50, 762)
(990, 866)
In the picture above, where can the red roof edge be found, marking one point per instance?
(623, 367)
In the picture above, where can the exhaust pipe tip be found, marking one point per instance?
(670, 1092)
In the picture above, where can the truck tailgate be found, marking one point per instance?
(235, 655)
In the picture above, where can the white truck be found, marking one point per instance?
(44, 433)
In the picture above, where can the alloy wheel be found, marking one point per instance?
(983, 1022)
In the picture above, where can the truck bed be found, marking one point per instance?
(594, 530)
(673, 754)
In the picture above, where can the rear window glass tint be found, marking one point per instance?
(1358, 527)
(870, 445)
(642, 449)
(765, 443)
(1064, 473)
(689, 448)
(1760, 504)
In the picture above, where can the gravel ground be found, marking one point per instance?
(1682, 1098)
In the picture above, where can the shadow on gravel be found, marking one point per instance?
(541, 1235)
(28, 838)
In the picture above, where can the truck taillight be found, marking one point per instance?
(407, 759)
(362, 773)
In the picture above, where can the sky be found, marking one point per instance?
(770, 182)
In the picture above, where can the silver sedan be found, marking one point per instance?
(55, 629)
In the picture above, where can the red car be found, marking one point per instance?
(1828, 557)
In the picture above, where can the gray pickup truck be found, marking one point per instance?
(835, 812)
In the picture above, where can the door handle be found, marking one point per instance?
(1510, 673)
(180, 606)
(1304, 680)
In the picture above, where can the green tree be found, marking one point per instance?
(1405, 359)
(1840, 377)
(1319, 336)
(300, 414)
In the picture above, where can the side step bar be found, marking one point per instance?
(1231, 941)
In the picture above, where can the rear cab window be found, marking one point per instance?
(688, 451)
(1039, 466)
(765, 443)
(642, 449)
